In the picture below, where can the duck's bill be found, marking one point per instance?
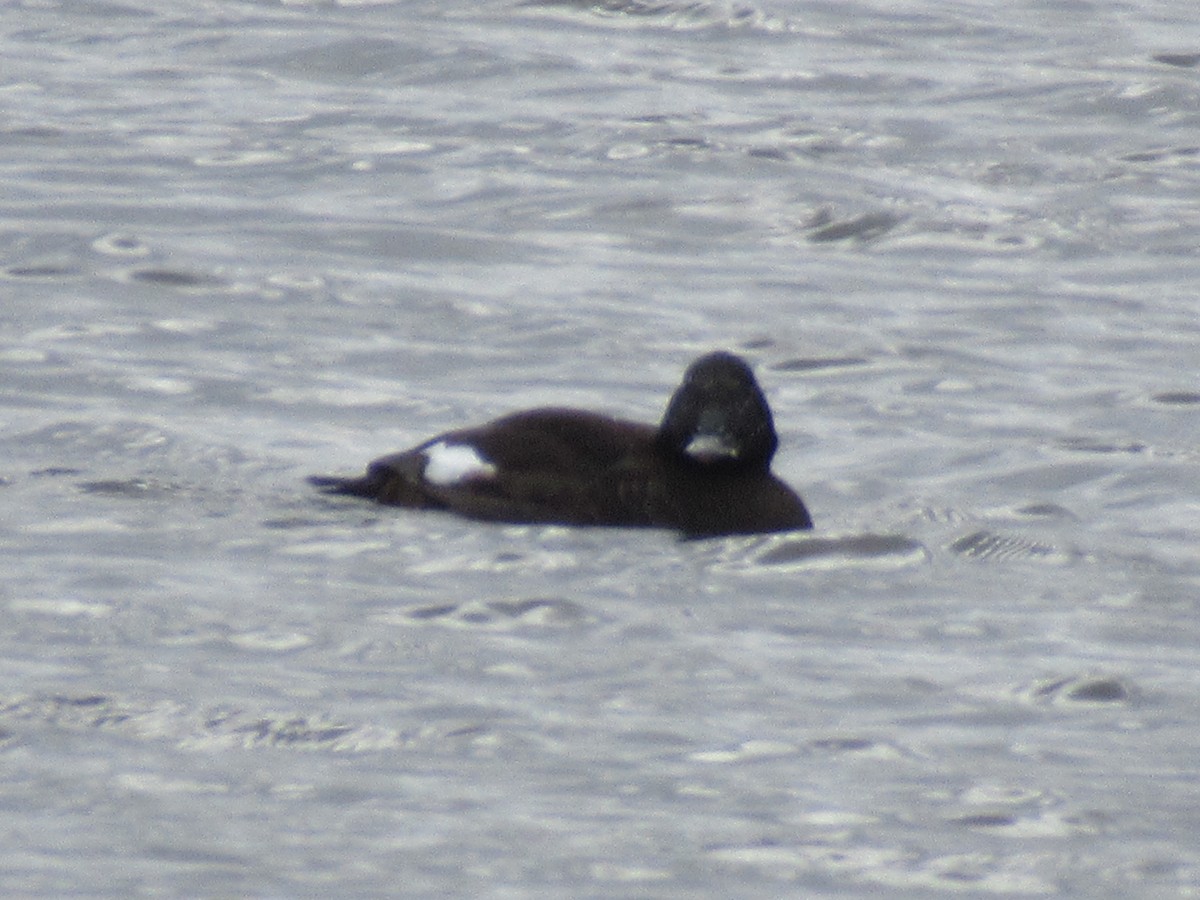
(711, 448)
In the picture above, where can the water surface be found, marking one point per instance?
(242, 242)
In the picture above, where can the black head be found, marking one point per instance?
(719, 416)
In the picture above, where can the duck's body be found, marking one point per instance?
(704, 471)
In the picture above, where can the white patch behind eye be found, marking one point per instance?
(447, 464)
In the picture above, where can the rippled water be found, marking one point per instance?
(242, 242)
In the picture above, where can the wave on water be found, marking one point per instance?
(686, 14)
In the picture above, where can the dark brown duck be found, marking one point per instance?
(704, 471)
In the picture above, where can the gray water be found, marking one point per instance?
(243, 242)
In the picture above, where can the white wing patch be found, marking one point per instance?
(447, 464)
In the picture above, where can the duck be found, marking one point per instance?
(703, 471)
